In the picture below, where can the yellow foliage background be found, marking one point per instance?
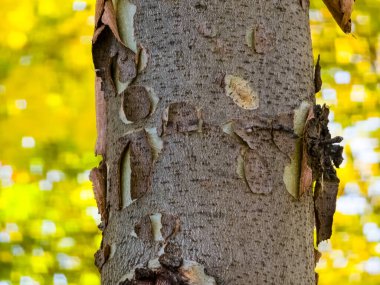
(48, 217)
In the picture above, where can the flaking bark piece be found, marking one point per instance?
(263, 38)
(98, 177)
(341, 10)
(107, 52)
(144, 230)
(141, 160)
(101, 119)
(306, 177)
(136, 103)
(181, 117)
(317, 76)
(101, 256)
(325, 203)
(170, 225)
(257, 168)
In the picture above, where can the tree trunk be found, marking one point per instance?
(200, 113)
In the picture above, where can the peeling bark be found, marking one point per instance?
(201, 114)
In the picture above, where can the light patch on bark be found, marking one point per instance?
(241, 93)
(195, 272)
(155, 141)
(122, 116)
(143, 59)
(300, 116)
(249, 37)
(126, 173)
(125, 12)
(292, 171)
(240, 165)
(113, 250)
(155, 220)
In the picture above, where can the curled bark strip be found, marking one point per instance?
(181, 117)
(98, 177)
(101, 119)
(141, 159)
(341, 10)
(101, 256)
(136, 103)
(317, 76)
(324, 203)
(306, 178)
(109, 51)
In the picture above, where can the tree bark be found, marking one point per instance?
(200, 113)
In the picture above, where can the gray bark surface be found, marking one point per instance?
(243, 231)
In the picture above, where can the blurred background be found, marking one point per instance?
(48, 217)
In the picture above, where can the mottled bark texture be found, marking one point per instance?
(201, 106)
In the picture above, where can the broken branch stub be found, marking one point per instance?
(323, 153)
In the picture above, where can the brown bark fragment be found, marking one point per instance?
(341, 10)
(325, 202)
(263, 38)
(98, 177)
(317, 256)
(306, 178)
(170, 225)
(317, 76)
(101, 119)
(144, 229)
(136, 103)
(101, 256)
(257, 168)
(180, 118)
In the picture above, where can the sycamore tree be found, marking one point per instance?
(211, 141)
